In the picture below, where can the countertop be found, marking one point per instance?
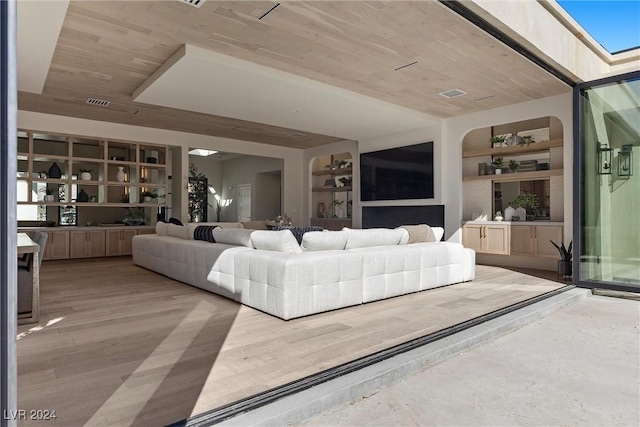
(87, 227)
(560, 223)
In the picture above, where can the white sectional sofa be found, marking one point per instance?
(270, 271)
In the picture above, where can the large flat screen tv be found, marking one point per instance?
(397, 173)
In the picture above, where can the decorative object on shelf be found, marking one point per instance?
(338, 209)
(42, 175)
(497, 141)
(625, 161)
(498, 216)
(482, 169)
(85, 174)
(118, 158)
(509, 213)
(514, 165)
(54, 171)
(498, 163)
(49, 196)
(283, 220)
(565, 270)
(148, 196)
(135, 216)
(526, 200)
(521, 214)
(527, 139)
(321, 210)
(93, 199)
(329, 183)
(346, 181)
(514, 139)
(604, 159)
(349, 208)
(479, 215)
(82, 196)
(120, 174)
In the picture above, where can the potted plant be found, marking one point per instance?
(498, 216)
(564, 263)
(148, 196)
(514, 165)
(346, 181)
(48, 196)
(526, 202)
(496, 141)
(498, 163)
(338, 211)
(85, 174)
(527, 139)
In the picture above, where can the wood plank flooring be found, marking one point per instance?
(120, 345)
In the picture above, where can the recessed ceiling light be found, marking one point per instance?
(452, 93)
(298, 135)
(202, 152)
(98, 102)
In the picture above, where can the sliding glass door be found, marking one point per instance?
(607, 175)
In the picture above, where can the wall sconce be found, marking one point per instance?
(625, 161)
(604, 159)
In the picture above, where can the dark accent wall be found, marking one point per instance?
(394, 216)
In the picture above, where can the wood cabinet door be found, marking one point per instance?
(496, 239)
(545, 233)
(522, 240)
(57, 245)
(78, 244)
(126, 244)
(148, 231)
(472, 237)
(96, 244)
(113, 238)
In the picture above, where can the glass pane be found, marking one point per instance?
(610, 139)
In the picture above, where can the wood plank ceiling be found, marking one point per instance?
(107, 49)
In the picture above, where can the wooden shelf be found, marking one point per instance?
(111, 205)
(515, 149)
(334, 172)
(519, 176)
(333, 189)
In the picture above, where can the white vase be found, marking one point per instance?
(120, 174)
(521, 213)
(85, 176)
(508, 213)
(498, 171)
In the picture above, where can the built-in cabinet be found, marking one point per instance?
(90, 242)
(487, 238)
(332, 191)
(59, 174)
(535, 240)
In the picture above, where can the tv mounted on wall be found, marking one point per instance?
(397, 173)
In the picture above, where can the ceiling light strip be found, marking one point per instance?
(269, 11)
(405, 66)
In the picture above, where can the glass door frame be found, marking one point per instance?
(579, 187)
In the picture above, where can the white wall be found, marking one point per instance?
(454, 130)
(293, 164)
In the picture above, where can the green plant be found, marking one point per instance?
(151, 194)
(527, 139)
(345, 181)
(565, 253)
(85, 170)
(198, 194)
(498, 162)
(48, 191)
(496, 139)
(527, 200)
(514, 165)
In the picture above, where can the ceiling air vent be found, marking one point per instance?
(298, 135)
(194, 3)
(452, 93)
(98, 102)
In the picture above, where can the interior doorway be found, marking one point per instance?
(244, 202)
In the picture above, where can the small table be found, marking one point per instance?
(26, 246)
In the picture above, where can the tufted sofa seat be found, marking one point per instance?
(270, 271)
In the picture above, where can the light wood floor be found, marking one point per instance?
(120, 345)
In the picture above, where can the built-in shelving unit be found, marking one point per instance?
(331, 191)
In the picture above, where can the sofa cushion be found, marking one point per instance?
(372, 237)
(324, 240)
(279, 241)
(255, 225)
(178, 231)
(419, 233)
(298, 232)
(233, 236)
(162, 228)
(205, 233)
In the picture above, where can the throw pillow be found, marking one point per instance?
(204, 232)
(162, 228)
(178, 231)
(372, 237)
(420, 233)
(175, 221)
(324, 241)
(279, 241)
(233, 236)
(298, 232)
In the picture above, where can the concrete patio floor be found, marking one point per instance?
(577, 366)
